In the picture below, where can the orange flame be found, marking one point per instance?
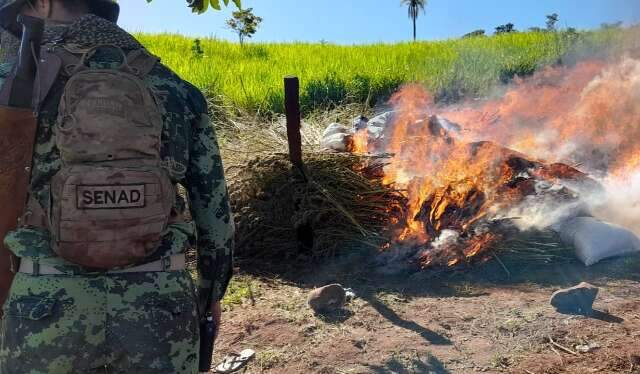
(587, 115)
(361, 142)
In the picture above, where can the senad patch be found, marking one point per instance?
(110, 196)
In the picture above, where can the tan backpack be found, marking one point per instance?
(111, 201)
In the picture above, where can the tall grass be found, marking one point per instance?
(250, 77)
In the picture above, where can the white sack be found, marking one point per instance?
(335, 128)
(360, 123)
(377, 126)
(337, 142)
(382, 120)
(595, 240)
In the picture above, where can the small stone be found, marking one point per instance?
(309, 330)
(327, 298)
(575, 300)
(360, 343)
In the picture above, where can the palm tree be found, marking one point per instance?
(415, 6)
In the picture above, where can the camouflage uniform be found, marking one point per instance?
(135, 322)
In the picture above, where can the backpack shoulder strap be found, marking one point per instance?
(75, 59)
(141, 62)
(55, 60)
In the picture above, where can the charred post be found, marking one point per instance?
(292, 108)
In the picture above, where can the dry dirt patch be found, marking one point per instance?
(474, 321)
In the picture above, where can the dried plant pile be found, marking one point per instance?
(279, 214)
(536, 247)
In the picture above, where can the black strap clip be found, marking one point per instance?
(36, 268)
(14, 264)
(166, 263)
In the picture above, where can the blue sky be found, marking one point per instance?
(371, 21)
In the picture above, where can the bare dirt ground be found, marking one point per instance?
(478, 320)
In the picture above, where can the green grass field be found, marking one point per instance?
(250, 78)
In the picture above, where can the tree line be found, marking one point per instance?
(244, 23)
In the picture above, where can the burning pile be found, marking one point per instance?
(469, 214)
(445, 185)
(493, 167)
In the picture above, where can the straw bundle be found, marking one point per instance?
(280, 214)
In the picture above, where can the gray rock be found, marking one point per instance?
(575, 300)
(327, 298)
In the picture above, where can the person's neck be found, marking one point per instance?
(61, 14)
(65, 19)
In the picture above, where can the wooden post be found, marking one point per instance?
(292, 108)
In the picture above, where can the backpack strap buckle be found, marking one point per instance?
(166, 263)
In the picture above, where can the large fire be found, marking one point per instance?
(530, 154)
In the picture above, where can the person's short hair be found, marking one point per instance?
(70, 4)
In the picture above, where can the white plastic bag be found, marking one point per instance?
(335, 128)
(337, 142)
(595, 240)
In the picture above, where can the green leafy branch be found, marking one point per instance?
(201, 6)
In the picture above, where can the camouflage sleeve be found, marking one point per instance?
(209, 201)
(5, 70)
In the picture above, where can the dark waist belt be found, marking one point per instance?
(166, 264)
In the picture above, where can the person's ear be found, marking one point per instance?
(47, 8)
(41, 8)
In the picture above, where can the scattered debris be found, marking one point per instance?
(561, 347)
(235, 361)
(327, 298)
(575, 300)
(586, 348)
(350, 294)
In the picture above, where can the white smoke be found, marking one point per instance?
(447, 239)
(622, 202)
